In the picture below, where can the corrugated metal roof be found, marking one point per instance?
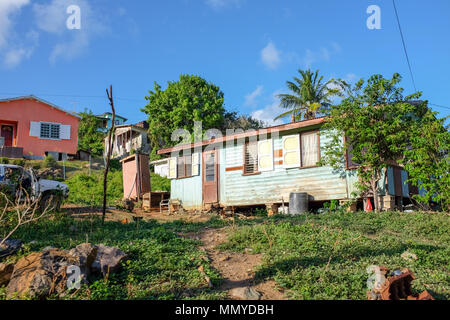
(279, 128)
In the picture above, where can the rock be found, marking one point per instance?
(9, 247)
(6, 271)
(409, 256)
(86, 254)
(40, 273)
(245, 293)
(108, 259)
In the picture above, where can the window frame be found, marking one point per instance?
(184, 163)
(255, 172)
(50, 125)
(317, 131)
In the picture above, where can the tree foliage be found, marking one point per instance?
(376, 121)
(89, 137)
(310, 95)
(427, 160)
(232, 120)
(189, 99)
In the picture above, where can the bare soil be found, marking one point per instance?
(237, 269)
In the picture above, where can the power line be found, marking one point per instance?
(440, 106)
(404, 46)
(67, 95)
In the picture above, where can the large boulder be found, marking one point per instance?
(86, 254)
(40, 274)
(108, 259)
(6, 270)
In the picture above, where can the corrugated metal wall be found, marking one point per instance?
(235, 189)
(322, 183)
(188, 190)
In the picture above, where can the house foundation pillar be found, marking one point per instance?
(351, 205)
(272, 209)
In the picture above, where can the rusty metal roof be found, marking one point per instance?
(278, 128)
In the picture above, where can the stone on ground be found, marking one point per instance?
(245, 293)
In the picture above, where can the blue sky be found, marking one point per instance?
(249, 48)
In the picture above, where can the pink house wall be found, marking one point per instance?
(22, 112)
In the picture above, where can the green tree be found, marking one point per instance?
(234, 121)
(310, 95)
(189, 99)
(427, 160)
(89, 137)
(376, 122)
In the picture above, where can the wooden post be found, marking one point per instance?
(108, 157)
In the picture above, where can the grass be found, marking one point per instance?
(311, 256)
(88, 189)
(326, 256)
(161, 265)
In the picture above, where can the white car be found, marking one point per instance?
(49, 193)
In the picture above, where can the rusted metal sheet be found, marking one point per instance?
(397, 287)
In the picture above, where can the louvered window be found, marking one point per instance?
(251, 157)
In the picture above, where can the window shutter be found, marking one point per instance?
(65, 132)
(291, 151)
(195, 164)
(35, 129)
(265, 155)
(172, 168)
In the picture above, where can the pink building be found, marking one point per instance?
(35, 127)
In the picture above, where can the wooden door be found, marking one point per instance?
(398, 190)
(210, 176)
(7, 134)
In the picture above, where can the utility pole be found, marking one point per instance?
(108, 157)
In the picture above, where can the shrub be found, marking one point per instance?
(88, 189)
(4, 160)
(159, 183)
(49, 162)
(19, 162)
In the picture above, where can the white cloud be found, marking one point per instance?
(270, 56)
(219, 4)
(7, 9)
(313, 56)
(270, 111)
(350, 77)
(52, 18)
(17, 53)
(250, 99)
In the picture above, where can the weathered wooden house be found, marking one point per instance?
(129, 139)
(262, 167)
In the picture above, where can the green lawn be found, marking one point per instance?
(326, 256)
(161, 264)
(310, 256)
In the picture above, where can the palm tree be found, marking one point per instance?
(310, 95)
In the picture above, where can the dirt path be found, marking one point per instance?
(237, 269)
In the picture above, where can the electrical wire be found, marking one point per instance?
(404, 46)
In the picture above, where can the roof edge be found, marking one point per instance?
(33, 97)
(278, 128)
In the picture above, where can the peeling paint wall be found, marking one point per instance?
(188, 190)
(322, 183)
